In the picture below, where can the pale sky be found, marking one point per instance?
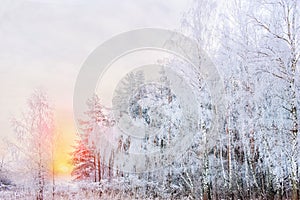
(44, 42)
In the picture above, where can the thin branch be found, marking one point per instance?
(287, 109)
(274, 74)
(269, 30)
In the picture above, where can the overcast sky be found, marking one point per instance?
(44, 42)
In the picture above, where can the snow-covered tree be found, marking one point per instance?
(83, 161)
(96, 116)
(279, 52)
(35, 132)
(255, 45)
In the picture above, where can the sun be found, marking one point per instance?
(63, 169)
(62, 165)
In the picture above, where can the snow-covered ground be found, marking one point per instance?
(82, 191)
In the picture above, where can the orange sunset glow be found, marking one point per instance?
(64, 141)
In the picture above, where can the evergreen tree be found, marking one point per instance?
(83, 161)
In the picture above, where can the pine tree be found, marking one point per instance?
(97, 118)
(83, 161)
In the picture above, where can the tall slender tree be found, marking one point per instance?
(35, 134)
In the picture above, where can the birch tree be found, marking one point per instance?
(278, 23)
(34, 132)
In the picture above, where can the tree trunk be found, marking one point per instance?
(99, 166)
(95, 170)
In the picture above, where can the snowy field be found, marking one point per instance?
(80, 191)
